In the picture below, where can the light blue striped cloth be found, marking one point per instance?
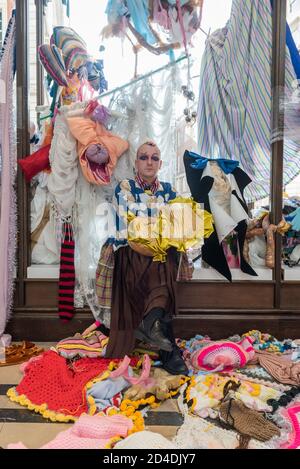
(234, 112)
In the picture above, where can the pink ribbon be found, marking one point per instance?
(123, 371)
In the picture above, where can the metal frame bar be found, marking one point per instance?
(278, 81)
(23, 144)
(39, 40)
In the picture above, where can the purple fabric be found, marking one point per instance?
(8, 216)
(101, 115)
(97, 154)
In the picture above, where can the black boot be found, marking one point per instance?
(103, 329)
(172, 361)
(150, 330)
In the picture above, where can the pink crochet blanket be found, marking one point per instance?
(89, 432)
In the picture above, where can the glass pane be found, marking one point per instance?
(234, 121)
(117, 55)
(44, 246)
(32, 68)
(217, 108)
(6, 7)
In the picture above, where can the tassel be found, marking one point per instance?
(66, 283)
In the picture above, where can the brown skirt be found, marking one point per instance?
(139, 285)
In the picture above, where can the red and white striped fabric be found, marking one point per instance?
(66, 284)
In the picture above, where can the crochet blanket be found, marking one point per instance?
(56, 388)
(88, 433)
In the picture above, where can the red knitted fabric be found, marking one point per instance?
(52, 381)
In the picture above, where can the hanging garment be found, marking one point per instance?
(89, 133)
(64, 166)
(61, 185)
(235, 97)
(222, 194)
(66, 283)
(8, 160)
(55, 13)
(138, 10)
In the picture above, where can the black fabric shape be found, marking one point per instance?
(212, 251)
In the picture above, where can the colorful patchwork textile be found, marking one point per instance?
(204, 394)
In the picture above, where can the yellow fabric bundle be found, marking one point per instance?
(181, 224)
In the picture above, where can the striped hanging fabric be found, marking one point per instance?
(235, 96)
(66, 283)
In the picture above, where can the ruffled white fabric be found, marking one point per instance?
(64, 165)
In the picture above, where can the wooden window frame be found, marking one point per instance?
(214, 308)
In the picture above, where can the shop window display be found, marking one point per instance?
(211, 108)
(253, 153)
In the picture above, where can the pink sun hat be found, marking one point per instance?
(223, 355)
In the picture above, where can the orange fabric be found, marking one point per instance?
(88, 132)
(48, 134)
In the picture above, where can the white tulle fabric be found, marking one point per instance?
(150, 107)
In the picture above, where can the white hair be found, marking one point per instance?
(147, 142)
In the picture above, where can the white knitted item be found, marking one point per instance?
(197, 433)
(145, 440)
